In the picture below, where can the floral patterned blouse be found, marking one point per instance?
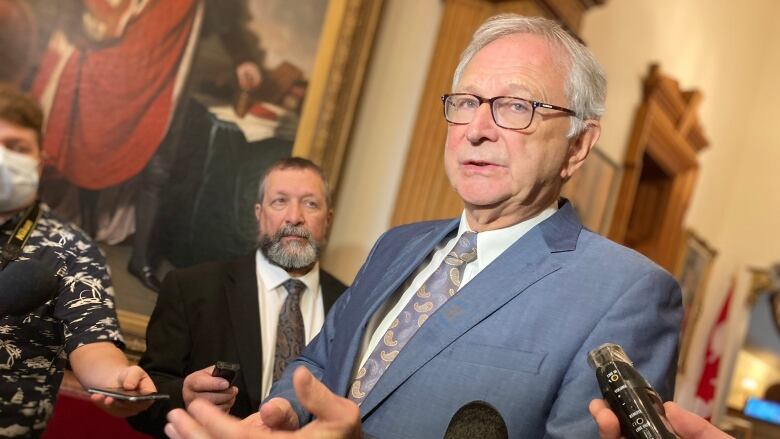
(34, 347)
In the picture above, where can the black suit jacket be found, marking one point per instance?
(204, 314)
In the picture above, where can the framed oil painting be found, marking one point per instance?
(161, 116)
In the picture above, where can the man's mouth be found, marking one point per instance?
(292, 234)
(478, 165)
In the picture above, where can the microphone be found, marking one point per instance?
(477, 419)
(24, 286)
(637, 405)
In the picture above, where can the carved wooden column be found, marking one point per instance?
(425, 192)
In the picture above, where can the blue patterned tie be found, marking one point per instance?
(434, 292)
(290, 334)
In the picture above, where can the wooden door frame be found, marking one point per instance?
(666, 129)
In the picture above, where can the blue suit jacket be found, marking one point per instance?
(516, 336)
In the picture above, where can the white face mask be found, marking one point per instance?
(18, 179)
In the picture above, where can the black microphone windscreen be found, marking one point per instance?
(24, 286)
(477, 419)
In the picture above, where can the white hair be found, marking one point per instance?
(586, 87)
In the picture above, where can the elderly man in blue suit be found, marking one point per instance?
(502, 304)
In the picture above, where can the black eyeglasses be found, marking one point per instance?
(508, 111)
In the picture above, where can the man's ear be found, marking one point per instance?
(258, 211)
(580, 147)
(329, 217)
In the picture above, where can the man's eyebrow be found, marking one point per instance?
(312, 195)
(284, 193)
(515, 90)
(468, 89)
(523, 91)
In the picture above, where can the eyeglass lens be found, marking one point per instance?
(507, 112)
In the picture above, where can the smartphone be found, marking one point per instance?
(226, 370)
(126, 395)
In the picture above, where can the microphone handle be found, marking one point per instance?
(636, 404)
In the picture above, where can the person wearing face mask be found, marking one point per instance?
(73, 323)
(18, 177)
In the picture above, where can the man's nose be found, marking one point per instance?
(482, 127)
(294, 214)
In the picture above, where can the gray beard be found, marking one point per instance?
(292, 255)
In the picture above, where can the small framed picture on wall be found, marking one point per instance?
(693, 270)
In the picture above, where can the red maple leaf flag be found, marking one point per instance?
(716, 343)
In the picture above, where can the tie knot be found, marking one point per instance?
(466, 247)
(294, 287)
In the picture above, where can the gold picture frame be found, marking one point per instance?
(339, 70)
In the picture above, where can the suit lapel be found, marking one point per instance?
(244, 314)
(524, 263)
(410, 254)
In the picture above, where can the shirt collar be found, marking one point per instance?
(491, 243)
(273, 275)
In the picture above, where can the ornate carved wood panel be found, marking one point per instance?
(660, 170)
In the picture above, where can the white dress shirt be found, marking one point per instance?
(271, 296)
(490, 245)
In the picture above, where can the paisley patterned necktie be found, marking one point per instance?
(434, 292)
(290, 335)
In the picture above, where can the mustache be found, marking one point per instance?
(290, 230)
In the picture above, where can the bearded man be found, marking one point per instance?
(257, 311)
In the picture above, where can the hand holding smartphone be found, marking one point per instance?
(226, 370)
(121, 394)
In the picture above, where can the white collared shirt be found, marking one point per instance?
(490, 245)
(271, 296)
